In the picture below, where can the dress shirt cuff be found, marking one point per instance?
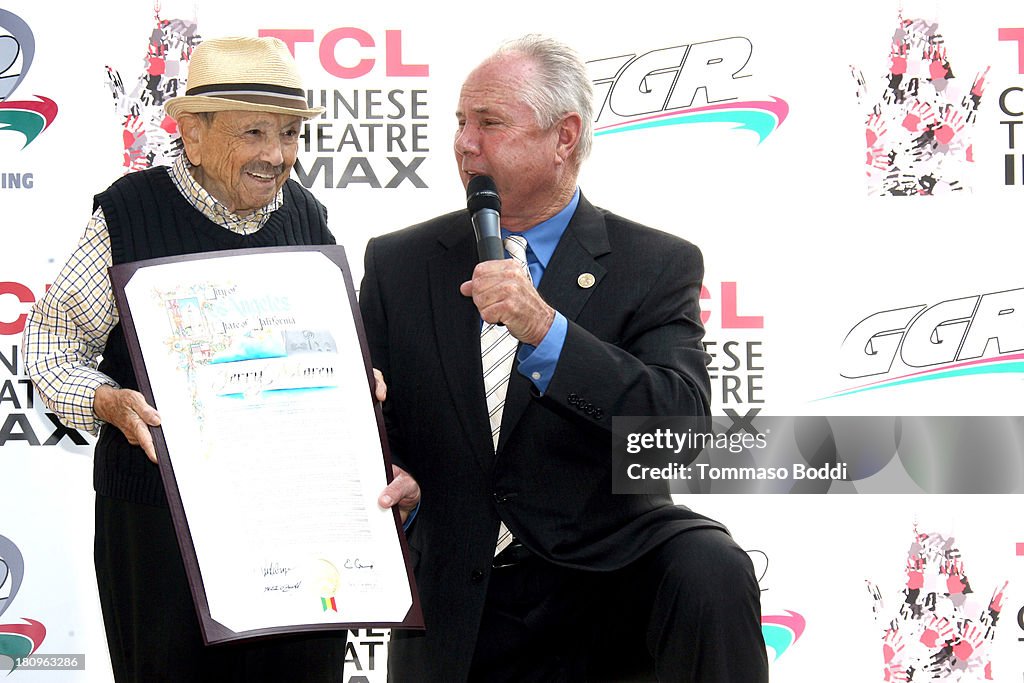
(538, 363)
(411, 518)
(77, 409)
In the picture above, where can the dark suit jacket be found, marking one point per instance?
(633, 347)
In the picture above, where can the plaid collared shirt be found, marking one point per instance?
(67, 329)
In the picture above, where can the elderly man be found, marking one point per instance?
(240, 121)
(527, 564)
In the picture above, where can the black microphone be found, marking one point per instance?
(484, 206)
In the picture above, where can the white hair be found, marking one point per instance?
(562, 86)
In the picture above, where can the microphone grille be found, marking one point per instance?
(482, 193)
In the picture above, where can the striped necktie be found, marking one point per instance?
(497, 352)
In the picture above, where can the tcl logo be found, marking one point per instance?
(359, 51)
(12, 318)
(728, 309)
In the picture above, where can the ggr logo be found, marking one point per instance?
(922, 336)
(668, 86)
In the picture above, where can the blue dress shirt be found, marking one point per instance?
(537, 363)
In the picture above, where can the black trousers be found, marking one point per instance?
(689, 612)
(152, 629)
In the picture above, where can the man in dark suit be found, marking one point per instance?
(612, 327)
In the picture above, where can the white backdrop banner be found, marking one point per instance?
(853, 174)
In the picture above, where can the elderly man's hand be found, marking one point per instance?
(128, 411)
(504, 294)
(403, 491)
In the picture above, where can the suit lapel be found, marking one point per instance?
(457, 329)
(585, 239)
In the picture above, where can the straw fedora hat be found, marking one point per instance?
(242, 74)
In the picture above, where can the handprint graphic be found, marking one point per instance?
(940, 631)
(918, 120)
(150, 136)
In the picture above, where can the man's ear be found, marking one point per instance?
(569, 131)
(192, 129)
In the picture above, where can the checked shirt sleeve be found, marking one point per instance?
(67, 330)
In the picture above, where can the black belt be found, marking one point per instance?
(514, 554)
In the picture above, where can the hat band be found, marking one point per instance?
(253, 93)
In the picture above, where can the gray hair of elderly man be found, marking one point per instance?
(563, 85)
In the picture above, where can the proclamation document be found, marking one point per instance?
(272, 447)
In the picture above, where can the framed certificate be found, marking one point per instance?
(271, 448)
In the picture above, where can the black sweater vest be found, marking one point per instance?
(147, 217)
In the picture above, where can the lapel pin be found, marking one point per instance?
(586, 280)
